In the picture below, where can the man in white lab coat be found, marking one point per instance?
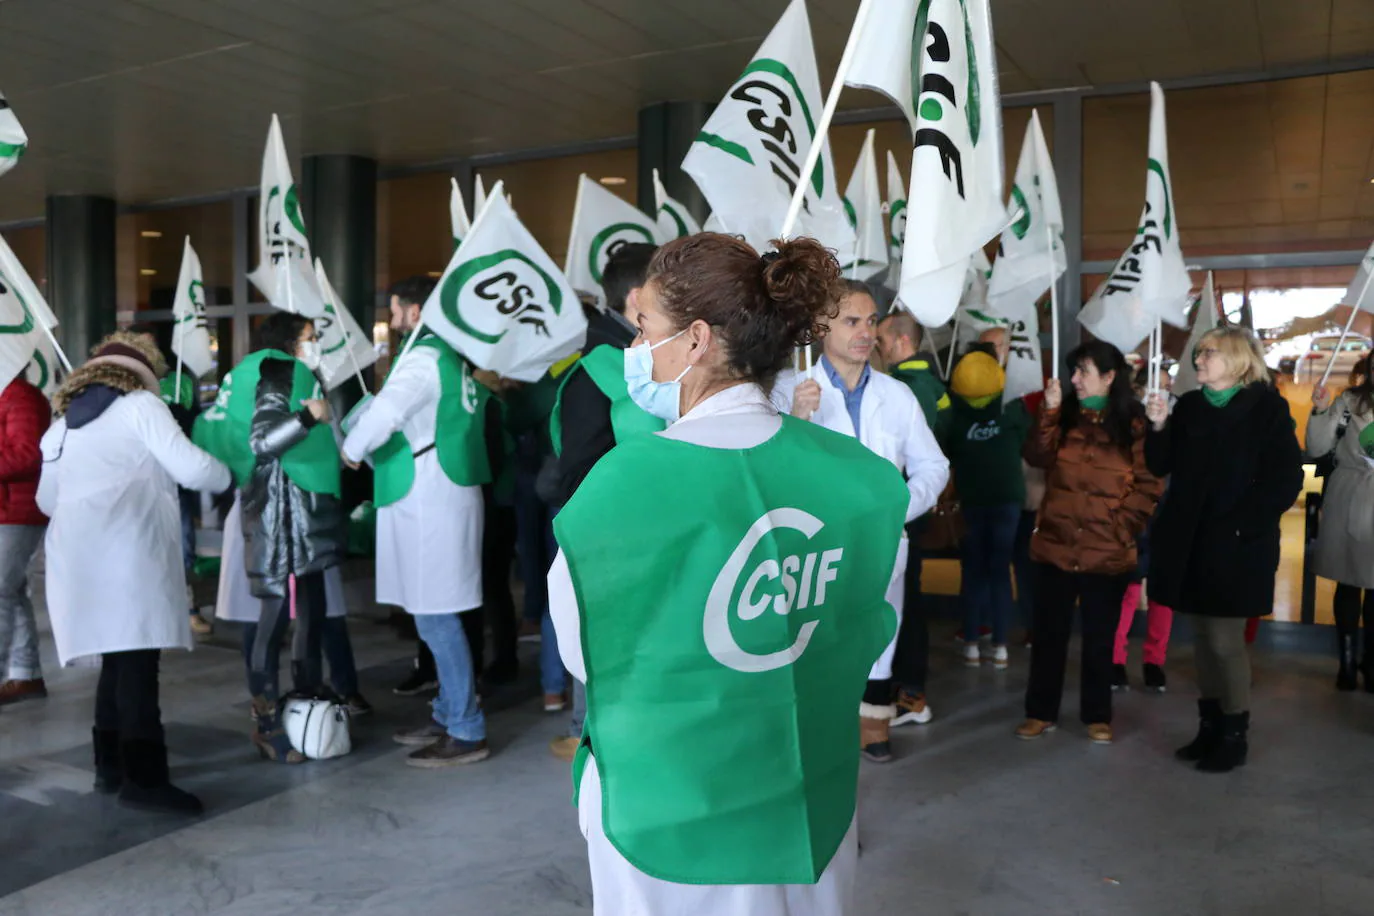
(843, 393)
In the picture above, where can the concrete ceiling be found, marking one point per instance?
(149, 100)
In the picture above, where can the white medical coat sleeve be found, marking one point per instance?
(926, 467)
(190, 466)
(412, 383)
(566, 616)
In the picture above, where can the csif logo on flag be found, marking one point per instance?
(19, 321)
(777, 111)
(195, 292)
(284, 207)
(1023, 222)
(38, 372)
(610, 240)
(897, 221)
(795, 581)
(1127, 274)
(508, 285)
(944, 74)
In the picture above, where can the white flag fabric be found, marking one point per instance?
(190, 337)
(458, 214)
(674, 219)
(1149, 281)
(339, 334)
(44, 371)
(896, 217)
(712, 224)
(601, 223)
(977, 313)
(22, 311)
(1031, 255)
(973, 311)
(502, 302)
(887, 42)
(955, 205)
(285, 274)
(1360, 293)
(863, 204)
(1204, 320)
(479, 196)
(13, 140)
(747, 159)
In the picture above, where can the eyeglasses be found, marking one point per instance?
(1205, 352)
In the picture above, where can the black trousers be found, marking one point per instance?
(126, 697)
(307, 665)
(911, 659)
(498, 604)
(1346, 606)
(1099, 597)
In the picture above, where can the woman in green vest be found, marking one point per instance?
(726, 653)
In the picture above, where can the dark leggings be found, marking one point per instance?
(338, 652)
(1345, 605)
(307, 668)
(126, 697)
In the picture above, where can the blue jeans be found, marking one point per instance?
(985, 561)
(456, 706)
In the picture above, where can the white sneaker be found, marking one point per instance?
(998, 657)
(972, 657)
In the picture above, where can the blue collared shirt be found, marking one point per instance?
(853, 400)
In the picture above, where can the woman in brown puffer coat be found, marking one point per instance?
(1099, 496)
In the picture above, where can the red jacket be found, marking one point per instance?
(24, 418)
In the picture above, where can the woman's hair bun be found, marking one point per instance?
(804, 282)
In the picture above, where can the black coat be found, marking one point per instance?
(1233, 472)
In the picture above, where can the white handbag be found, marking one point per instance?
(318, 728)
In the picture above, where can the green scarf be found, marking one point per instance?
(1096, 402)
(1220, 398)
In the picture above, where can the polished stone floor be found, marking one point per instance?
(967, 821)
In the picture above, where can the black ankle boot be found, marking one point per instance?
(146, 782)
(1367, 665)
(109, 771)
(1231, 747)
(1209, 718)
(1345, 650)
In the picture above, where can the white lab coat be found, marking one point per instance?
(234, 600)
(429, 543)
(892, 424)
(115, 580)
(737, 418)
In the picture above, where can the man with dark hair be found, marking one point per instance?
(594, 411)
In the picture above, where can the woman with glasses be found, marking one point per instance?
(1235, 467)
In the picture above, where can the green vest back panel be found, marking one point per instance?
(729, 623)
(183, 397)
(460, 433)
(606, 367)
(223, 430)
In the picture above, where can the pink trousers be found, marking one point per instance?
(1159, 621)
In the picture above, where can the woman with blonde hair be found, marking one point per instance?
(1235, 467)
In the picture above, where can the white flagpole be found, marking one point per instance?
(1354, 310)
(57, 347)
(176, 391)
(1054, 307)
(813, 155)
(953, 346)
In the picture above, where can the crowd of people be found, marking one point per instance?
(684, 572)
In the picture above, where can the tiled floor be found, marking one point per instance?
(967, 821)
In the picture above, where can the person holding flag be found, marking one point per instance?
(24, 417)
(425, 434)
(753, 599)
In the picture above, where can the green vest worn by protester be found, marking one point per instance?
(183, 398)
(605, 365)
(460, 433)
(756, 599)
(224, 429)
(929, 390)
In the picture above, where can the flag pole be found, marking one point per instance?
(813, 155)
(1054, 307)
(1354, 310)
(176, 389)
(57, 347)
(953, 345)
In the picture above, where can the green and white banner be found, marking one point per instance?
(885, 56)
(479, 196)
(674, 220)
(863, 204)
(190, 336)
(601, 223)
(502, 302)
(458, 214)
(44, 371)
(747, 159)
(13, 140)
(896, 218)
(345, 348)
(1031, 255)
(1021, 323)
(1149, 282)
(955, 204)
(23, 313)
(285, 274)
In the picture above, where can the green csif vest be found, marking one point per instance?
(460, 433)
(184, 397)
(755, 598)
(606, 367)
(224, 429)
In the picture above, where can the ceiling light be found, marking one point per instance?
(613, 180)
(436, 274)
(151, 234)
(147, 272)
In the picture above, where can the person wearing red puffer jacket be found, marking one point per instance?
(24, 417)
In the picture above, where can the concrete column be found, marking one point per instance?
(666, 132)
(81, 270)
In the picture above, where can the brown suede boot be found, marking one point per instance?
(874, 731)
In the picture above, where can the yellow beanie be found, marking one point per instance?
(978, 375)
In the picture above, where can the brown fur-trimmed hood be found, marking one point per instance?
(104, 373)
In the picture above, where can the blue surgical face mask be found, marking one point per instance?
(661, 399)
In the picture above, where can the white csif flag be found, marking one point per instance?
(1031, 255)
(458, 214)
(955, 204)
(502, 302)
(1020, 320)
(1149, 282)
(748, 157)
(44, 371)
(601, 223)
(13, 140)
(345, 348)
(285, 273)
(1204, 320)
(479, 195)
(896, 218)
(23, 314)
(863, 204)
(190, 338)
(674, 220)
(887, 44)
